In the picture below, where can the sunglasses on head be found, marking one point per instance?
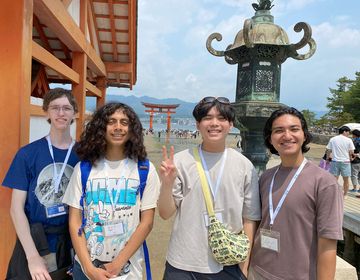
(211, 99)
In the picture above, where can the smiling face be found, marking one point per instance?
(117, 130)
(287, 136)
(214, 128)
(60, 113)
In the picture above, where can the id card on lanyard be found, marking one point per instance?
(270, 239)
(57, 209)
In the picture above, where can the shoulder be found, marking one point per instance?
(318, 174)
(31, 148)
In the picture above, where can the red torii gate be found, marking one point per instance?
(160, 108)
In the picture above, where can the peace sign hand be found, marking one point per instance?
(168, 171)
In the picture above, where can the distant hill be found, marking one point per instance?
(184, 110)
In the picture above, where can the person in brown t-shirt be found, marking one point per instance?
(302, 208)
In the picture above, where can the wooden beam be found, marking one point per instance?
(36, 110)
(118, 67)
(92, 90)
(54, 15)
(79, 90)
(46, 58)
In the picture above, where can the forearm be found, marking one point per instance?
(249, 229)
(166, 203)
(22, 228)
(326, 259)
(79, 242)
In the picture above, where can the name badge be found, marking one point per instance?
(56, 210)
(112, 229)
(270, 239)
(218, 215)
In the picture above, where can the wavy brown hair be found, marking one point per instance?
(92, 145)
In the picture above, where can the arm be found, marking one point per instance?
(250, 229)
(326, 259)
(133, 244)
(328, 154)
(79, 244)
(168, 173)
(36, 263)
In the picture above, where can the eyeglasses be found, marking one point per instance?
(65, 109)
(211, 99)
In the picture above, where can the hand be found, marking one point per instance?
(37, 268)
(95, 273)
(168, 171)
(113, 268)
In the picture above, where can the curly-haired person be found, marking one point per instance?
(112, 219)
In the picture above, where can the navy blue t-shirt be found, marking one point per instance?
(32, 171)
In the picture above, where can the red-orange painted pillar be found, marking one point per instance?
(151, 119)
(168, 121)
(15, 83)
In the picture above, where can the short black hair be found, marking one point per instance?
(278, 113)
(356, 132)
(343, 129)
(202, 109)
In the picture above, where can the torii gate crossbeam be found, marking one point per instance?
(162, 109)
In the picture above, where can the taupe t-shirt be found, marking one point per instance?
(236, 197)
(313, 208)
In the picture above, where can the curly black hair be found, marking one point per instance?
(92, 145)
(278, 113)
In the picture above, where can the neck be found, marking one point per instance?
(114, 153)
(213, 148)
(60, 139)
(292, 161)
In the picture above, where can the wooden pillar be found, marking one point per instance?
(168, 127)
(151, 119)
(15, 83)
(101, 84)
(79, 90)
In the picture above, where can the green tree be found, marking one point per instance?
(309, 116)
(352, 99)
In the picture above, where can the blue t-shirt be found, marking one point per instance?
(32, 171)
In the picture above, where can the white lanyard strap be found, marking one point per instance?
(57, 177)
(117, 186)
(221, 171)
(271, 209)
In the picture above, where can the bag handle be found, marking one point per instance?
(204, 183)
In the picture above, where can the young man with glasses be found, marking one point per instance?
(39, 175)
(233, 183)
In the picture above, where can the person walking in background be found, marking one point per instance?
(39, 176)
(111, 213)
(342, 149)
(302, 208)
(355, 162)
(233, 183)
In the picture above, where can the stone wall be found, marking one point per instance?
(320, 138)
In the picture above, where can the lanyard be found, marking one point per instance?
(271, 209)
(212, 187)
(117, 186)
(57, 177)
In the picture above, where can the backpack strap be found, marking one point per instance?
(85, 168)
(143, 169)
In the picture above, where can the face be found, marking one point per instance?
(117, 129)
(214, 127)
(60, 113)
(287, 135)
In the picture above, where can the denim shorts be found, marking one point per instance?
(340, 168)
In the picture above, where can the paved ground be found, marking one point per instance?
(160, 235)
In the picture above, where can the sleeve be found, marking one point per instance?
(252, 208)
(152, 190)
(18, 175)
(329, 145)
(329, 210)
(73, 192)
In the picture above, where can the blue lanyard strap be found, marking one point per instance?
(273, 213)
(57, 176)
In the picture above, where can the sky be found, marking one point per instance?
(173, 61)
